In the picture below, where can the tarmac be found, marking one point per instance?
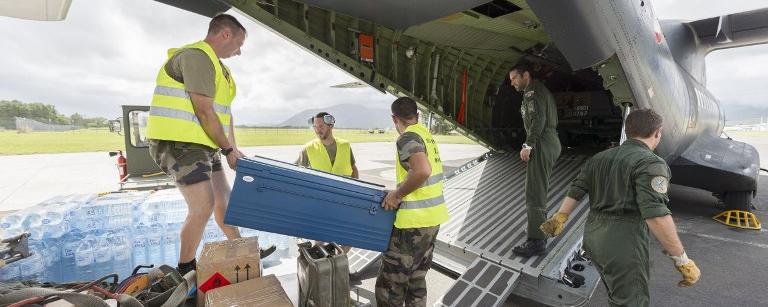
(30, 179)
(732, 261)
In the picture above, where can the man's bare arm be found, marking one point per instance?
(419, 173)
(663, 228)
(569, 204)
(203, 106)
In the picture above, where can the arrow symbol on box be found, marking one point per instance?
(237, 273)
(248, 271)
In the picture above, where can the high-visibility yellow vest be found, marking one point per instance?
(171, 115)
(320, 160)
(424, 207)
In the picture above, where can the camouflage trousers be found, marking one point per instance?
(401, 280)
(187, 163)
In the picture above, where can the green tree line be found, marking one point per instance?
(44, 113)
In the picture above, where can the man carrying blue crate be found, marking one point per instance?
(420, 211)
(190, 123)
(327, 153)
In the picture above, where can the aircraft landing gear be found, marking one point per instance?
(738, 200)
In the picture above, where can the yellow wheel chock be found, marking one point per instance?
(738, 218)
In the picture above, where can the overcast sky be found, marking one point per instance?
(107, 53)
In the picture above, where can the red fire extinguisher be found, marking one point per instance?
(122, 166)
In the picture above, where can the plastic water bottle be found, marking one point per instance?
(155, 244)
(32, 268)
(11, 272)
(102, 257)
(121, 245)
(119, 207)
(50, 251)
(139, 245)
(10, 226)
(90, 217)
(52, 224)
(31, 223)
(171, 244)
(84, 258)
(71, 242)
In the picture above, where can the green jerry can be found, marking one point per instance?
(323, 276)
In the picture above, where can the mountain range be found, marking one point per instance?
(347, 116)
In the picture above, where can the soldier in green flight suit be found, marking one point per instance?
(540, 150)
(627, 188)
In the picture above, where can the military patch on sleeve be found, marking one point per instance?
(660, 184)
(529, 94)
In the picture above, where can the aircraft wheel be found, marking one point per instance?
(738, 200)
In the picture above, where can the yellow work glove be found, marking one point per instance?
(554, 226)
(690, 273)
(688, 269)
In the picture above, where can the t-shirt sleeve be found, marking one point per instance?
(651, 183)
(303, 159)
(193, 68)
(408, 144)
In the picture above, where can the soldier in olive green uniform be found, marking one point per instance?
(541, 149)
(627, 188)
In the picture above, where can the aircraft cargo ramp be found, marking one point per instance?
(486, 201)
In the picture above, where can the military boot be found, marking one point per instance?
(531, 247)
(265, 252)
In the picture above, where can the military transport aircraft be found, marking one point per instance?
(600, 58)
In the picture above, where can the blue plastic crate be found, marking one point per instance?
(283, 198)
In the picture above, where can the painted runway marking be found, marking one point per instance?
(760, 245)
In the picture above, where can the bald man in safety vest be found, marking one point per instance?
(327, 153)
(190, 127)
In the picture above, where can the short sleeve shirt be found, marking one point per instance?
(408, 144)
(193, 67)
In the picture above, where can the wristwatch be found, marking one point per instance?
(526, 146)
(227, 151)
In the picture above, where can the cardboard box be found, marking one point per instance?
(226, 262)
(262, 292)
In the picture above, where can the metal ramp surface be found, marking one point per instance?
(485, 284)
(486, 204)
(360, 259)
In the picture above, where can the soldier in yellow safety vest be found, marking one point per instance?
(327, 153)
(190, 124)
(420, 207)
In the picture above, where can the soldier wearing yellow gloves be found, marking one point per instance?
(627, 187)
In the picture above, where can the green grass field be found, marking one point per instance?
(89, 140)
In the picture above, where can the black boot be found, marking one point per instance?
(185, 267)
(531, 247)
(264, 253)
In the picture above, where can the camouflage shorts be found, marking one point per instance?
(402, 277)
(187, 163)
